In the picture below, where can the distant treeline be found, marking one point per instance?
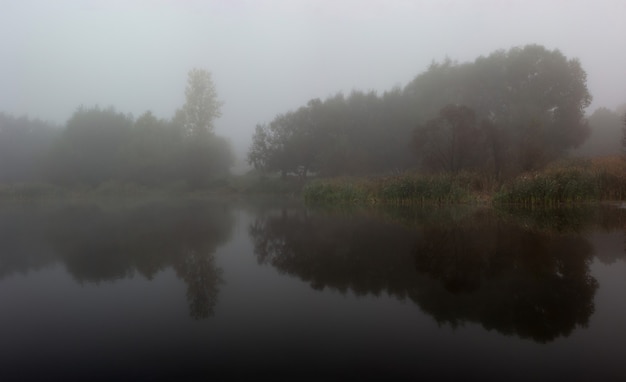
(501, 115)
(504, 114)
(99, 145)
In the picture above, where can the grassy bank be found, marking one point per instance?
(574, 182)
(564, 183)
(403, 189)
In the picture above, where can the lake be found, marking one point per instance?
(223, 290)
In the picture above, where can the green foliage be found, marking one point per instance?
(360, 134)
(530, 100)
(339, 191)
(152, 153)
(201, 106)
(89, 148)
(561, 185)
(566, 183)
(101, 145)
(611, 174)
(503, 114)
(291, 143)
(423, 189)
(406, 189)
(451, 142)
(23, 146)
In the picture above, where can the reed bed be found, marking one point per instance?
(398, 190)
(574, 182)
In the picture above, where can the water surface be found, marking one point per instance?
(215, 290)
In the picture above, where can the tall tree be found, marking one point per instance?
(201, 106)
(205, 155)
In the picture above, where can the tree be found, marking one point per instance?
(204, 155)
(291, 143)
(451, 142)
(89, 149)
(23, 145)
(151, 154)
(201, 106)
(359, 134)
(533, 98)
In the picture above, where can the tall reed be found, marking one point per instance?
(403, 189)
(579, 181)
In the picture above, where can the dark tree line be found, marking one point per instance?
(99, 145)
(23, 144)
(340, 135)
(508, 112)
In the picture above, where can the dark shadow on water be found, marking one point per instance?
(519, 274)
(103, 244)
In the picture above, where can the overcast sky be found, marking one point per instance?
(271, 56)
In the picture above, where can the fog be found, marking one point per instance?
(268, 57)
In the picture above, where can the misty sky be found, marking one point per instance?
(270, 56)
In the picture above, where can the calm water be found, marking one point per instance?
(213, 291)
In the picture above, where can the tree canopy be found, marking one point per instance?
(88, 151)
(99, 145)
(24, 143)
(532, 99)
(508, 112)
(201, 106)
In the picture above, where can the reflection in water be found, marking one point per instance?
(203, 279)
(99, 244)
(509, 275)
(511, 279)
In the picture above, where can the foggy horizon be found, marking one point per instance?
(270, 57)
(312, 189)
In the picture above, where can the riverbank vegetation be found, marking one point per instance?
(504, 114)
(561, 183)
(102, 151)
(506, 128)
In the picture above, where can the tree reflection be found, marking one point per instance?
(531, 281)
(203, 278)
(100, 244)
(21, 247)
(511, 279)
(329, 251)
